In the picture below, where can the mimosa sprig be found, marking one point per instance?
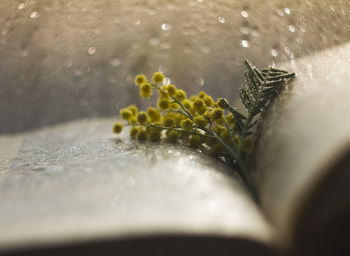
(201, 122)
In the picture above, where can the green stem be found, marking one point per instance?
(177, 130)
(183, 107)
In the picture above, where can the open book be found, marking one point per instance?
(77, 189)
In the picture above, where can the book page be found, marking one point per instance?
(78, 182)
(305, 135)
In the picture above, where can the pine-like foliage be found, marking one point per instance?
(258, 91)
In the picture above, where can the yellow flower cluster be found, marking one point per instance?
(197, 120)
(201, 122)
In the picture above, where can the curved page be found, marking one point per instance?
(78, 182)
(306, 133)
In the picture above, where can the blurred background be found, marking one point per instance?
(62, 60)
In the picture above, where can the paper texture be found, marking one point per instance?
(79, 182)
(306, 132)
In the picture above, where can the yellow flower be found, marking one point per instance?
(171, 89)
(154, 114)
(225, 135)
(180, 95)
(219, 130)
(187, 104)
(142, 134)
(145, 90)
(195, 141)
(210, 141)
(172, 136)
(230, 118)
(163, 92)
(125, 114)
(200, 121)
(163, 103)
(217, 114)
(216, 149)
(208, 100)
(140, 79)
(237, 140)
(202, 110)
(193, 98)
(222, 103)
(142, 117)
(158, 77)
(167, 122)
(202, 95)
(247, 144)
(186, 124)
(133, 120)
(174, 105)
(117, 127)
(133, 132)
(133, 109)
(154, 135)
(207, 115)
(198, 104)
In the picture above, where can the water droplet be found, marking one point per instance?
(20, 6)
(291, 28)
(166, 26)
(274, 52)
(244, 30)
(287, 10)
(280, 12)
(78, 72)
(129, 79)
(166, 81)
(255, 33)
(34, 15)
(131, 182)
(245, 43)
(166, 46)
(200, 1)
(302, 29)
(154, 41)
(205, 49)
(244, 14)
(286, 49)
(298, 40)
(221, 19)
(115, 62)
(137, 22)
(92, 50)
(24, 53)
(68, 64)
(201, 81)
(332, 8)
